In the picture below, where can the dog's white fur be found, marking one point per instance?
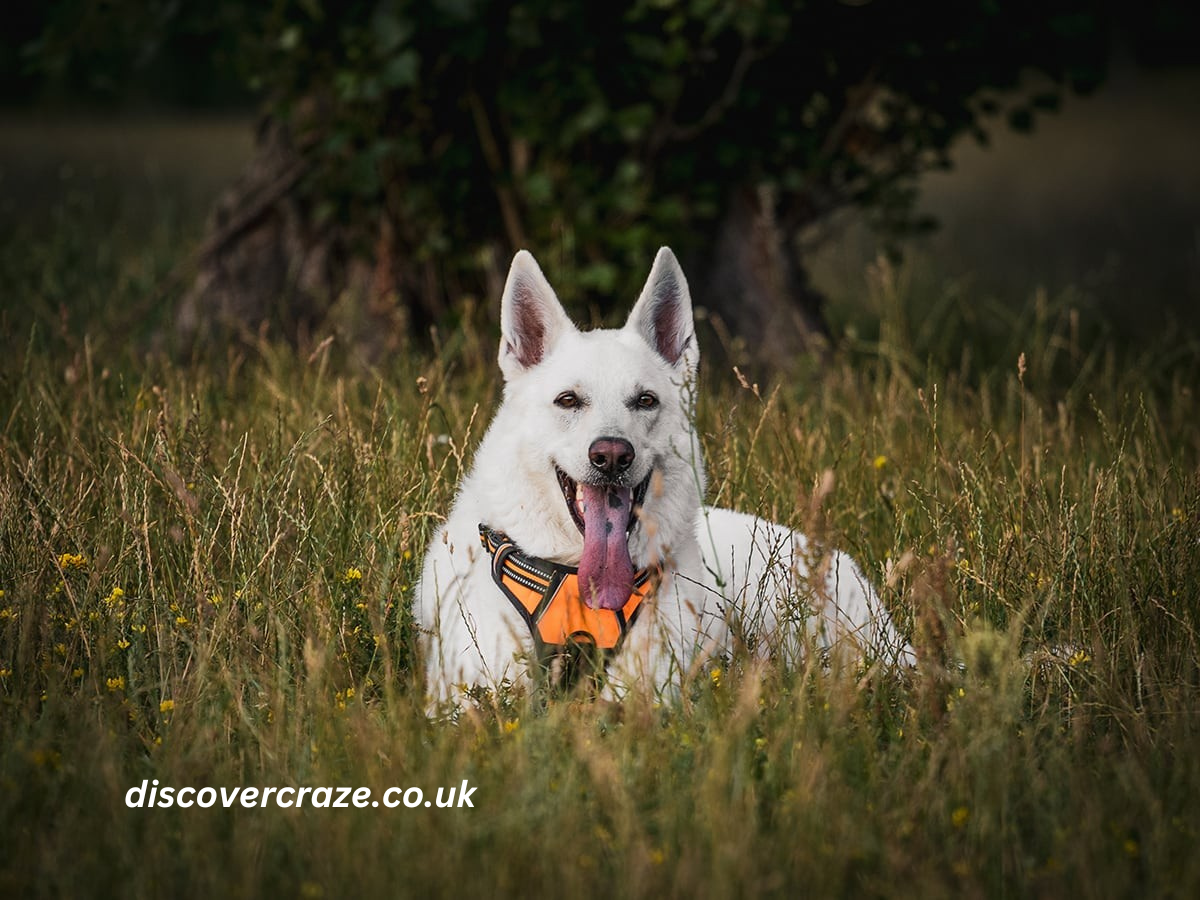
(722, 569)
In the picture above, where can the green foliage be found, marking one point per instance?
(264, 520)
(605, 129)
(600, 128)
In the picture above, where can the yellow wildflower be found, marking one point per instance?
(45, 758)
(72, 561)
(122, 644)
(879, 462)
(166, 706)
(181, 620)
(351, 575)
(960, 817)
(715, 675)
(116, 684)
(512, 725)
(1079, 658)
(7, 613)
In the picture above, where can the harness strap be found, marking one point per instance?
(547, 596)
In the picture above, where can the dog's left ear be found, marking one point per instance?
(663, 313)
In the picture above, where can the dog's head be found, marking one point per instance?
(605, 416)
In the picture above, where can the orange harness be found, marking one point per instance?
(547, 596)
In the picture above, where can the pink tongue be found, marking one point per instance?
(605, 569)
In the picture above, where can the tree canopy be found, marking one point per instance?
(435, 138)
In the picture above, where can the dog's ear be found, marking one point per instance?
(531, 318)
(663, 313)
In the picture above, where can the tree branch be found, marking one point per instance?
(746, 57)
(509, 208)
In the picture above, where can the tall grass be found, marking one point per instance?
(206, 572)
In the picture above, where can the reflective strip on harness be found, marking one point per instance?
(547, 597)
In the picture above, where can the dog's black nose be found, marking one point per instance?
(610, 455)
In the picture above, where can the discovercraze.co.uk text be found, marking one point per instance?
(148, 795)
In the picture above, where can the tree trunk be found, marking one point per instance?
(754, 282)
(268, 267)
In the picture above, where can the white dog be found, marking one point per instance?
(580, 530)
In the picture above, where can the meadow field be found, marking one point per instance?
(206, 568)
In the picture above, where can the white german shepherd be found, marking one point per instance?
(581, 522)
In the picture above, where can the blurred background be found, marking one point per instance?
(365, 170)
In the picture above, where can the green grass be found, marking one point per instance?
(1034, 524)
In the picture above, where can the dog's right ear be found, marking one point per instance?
(531, 318)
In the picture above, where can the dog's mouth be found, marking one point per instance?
(605, 515)
(576, 494)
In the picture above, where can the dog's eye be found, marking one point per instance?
(647, 400)
(568, 400)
